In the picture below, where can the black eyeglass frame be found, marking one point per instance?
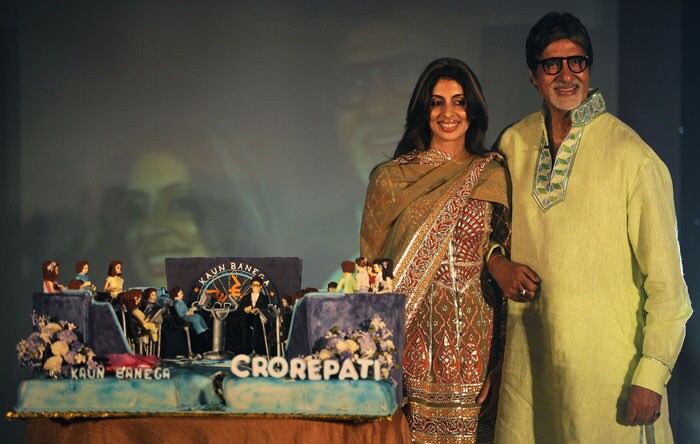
(558, 60)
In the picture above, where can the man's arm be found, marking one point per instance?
(652, 234)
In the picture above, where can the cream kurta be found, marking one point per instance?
(613, 304)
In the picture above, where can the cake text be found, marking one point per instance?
(243, 366)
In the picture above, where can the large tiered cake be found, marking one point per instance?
(198, 387)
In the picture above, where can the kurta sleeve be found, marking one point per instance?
(653, 237)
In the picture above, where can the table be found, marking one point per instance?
(216, 429)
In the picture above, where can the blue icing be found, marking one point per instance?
(185, 391)
(334, 397)
(316, 313)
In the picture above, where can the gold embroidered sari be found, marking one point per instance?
(437, 217)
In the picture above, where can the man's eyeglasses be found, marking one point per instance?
(576, 64)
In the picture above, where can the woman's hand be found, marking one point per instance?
(489, 392)
(518, 282)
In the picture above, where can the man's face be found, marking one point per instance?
(565, 90)
(376, 74)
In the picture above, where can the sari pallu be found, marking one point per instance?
(434, 216)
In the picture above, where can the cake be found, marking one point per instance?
(184, 390)
(209, 386)
(324, 399)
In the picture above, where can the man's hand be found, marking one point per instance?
(643, 406)
(492, 386)
(518, 282)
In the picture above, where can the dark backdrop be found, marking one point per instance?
(139, 130)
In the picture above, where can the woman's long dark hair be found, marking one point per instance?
(418, 134)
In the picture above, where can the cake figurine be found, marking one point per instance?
(114, 283)
(75, 284)
(197, 321)
(132, 301)
(384, 281)
(82, 268)
(347, 283)
(149, 303)
(255, 304)
(361, 277)
(49, 269)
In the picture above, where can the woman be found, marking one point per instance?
(439, 208)
(114, 283)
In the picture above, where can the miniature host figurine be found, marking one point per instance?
(252, 303)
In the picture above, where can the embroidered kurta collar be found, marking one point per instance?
(550, 181)
(589, 109)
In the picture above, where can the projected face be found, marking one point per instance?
(379, 62)
(162, 215)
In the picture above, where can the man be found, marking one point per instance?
(589, 358)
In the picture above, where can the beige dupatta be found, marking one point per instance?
(410, 207)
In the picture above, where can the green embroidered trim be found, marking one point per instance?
(589, 109)
(549, 184)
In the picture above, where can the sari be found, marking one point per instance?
(439, 217)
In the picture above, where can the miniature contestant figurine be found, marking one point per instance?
(131, 300)
(50, 271)
(197, 321)
(114, 282)
(347, 284)
(362, 277)
(82, 268)
(150, 303)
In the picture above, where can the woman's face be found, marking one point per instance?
(118, 269)
(448, 116)
(85, 269)
(152, 297)
(162, 214)
(377, 268)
